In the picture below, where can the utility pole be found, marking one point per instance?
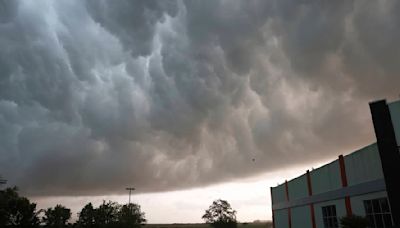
(2, 181)
(130, 189)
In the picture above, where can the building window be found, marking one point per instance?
(378, 213)
(329, 216)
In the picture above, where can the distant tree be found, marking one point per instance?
(353, 221)
(220, 215)
(56, 217)
(106, 215)
(130, 215)
(17, 211)
(86, 218)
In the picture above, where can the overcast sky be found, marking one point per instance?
(174, 95)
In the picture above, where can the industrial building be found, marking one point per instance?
(364, 183)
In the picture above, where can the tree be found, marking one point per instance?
(106, 215)
(220, 214)
(86, 218)
(57, 216)
(17, 211)
(111, 214)
(353, 221)
(130, 215)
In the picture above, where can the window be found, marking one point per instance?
(378, 213)
(329, 216)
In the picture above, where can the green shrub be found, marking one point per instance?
(354, 221)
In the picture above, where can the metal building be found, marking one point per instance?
(365, 183)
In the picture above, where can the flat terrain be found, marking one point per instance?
(203, 225)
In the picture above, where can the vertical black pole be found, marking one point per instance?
(130, 190)
(389, 153)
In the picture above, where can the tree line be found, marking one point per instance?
(18, 211)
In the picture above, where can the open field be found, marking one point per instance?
(203, 225)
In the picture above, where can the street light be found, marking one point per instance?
(130, 191)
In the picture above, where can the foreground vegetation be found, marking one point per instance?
(18, 211)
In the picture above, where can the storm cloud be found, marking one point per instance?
(163, 95)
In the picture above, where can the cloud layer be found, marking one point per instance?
(161, 95)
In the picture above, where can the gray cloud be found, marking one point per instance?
(162, 95)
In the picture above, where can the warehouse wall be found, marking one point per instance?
(281, 218)
(279, 194)
(326, 178)
(301, 217)
(363, 165)
(340, 211)
(357, 202)
(298, 188)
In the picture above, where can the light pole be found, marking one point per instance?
(130, 189)
(2, 181)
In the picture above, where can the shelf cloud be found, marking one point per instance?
(162, 95)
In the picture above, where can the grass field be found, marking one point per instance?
(203, 225)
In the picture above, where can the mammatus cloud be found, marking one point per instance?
(95, 96)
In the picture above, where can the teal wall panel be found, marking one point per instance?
(301, 217)
(326, 178)
(363, 165)
(298, 188)
(278, 194)
(281, 218)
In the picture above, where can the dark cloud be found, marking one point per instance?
(96, 96)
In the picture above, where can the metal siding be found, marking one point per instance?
(357, 202)
(279, 194)
(326, 178)
(281, 218)
(354, 190)
(394, 109)
(363, 165)
(301, 217)
(298, 188)
(340, 211)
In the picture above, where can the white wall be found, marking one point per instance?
(357, 202)
(326, 178)
(340, 211)
(363, 165)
